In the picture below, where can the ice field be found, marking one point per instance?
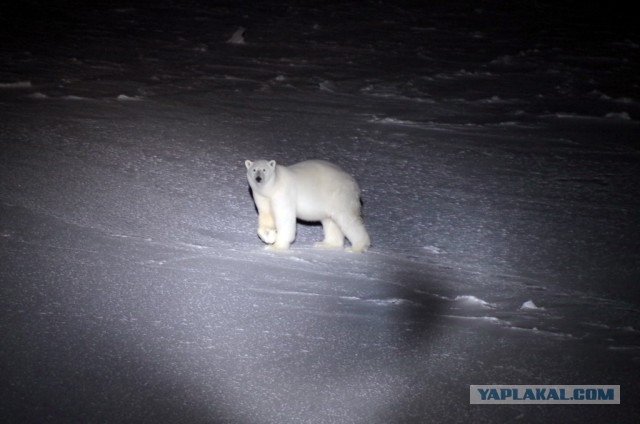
(496, 146)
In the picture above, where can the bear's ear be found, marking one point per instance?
(248, 164)
(272, 164)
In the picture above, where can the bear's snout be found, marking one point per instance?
(258, 179)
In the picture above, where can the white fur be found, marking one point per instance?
(312, 190)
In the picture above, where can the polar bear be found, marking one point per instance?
(312, 190)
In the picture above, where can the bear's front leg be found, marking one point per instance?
(266, 223)
(267, 228)
(285, 230)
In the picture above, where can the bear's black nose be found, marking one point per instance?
(258, 178)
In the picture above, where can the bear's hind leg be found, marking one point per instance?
(333, 237)
(353, 228)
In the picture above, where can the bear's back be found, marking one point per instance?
(319, 174)
(322, 188)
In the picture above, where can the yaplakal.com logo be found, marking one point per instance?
(544, 394)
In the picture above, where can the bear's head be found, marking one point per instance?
(260, 173)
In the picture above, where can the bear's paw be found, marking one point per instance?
(267, 235)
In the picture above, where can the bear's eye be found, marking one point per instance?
(254, 170)
(264, 170)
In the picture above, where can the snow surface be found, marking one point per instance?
(497, 148)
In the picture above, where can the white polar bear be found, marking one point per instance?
(312, 190)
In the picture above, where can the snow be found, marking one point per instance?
(125, 98)
(238, 36)
(529, 304)
(15, 85)
(473, 301)
(496, 148)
